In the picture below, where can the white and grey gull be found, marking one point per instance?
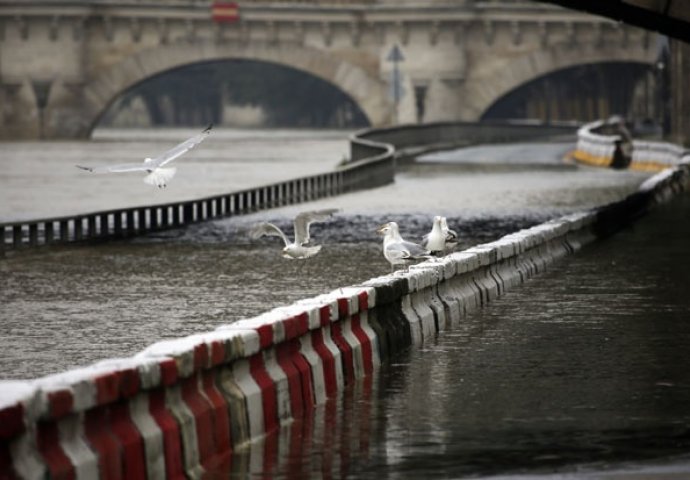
(299, 248)
(441, 238)
(397, 250)
(157, 175)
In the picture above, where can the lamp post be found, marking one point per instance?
(41, 92)
(396, 89)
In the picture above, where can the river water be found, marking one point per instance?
(583, 364)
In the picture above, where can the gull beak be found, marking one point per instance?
(381, 229)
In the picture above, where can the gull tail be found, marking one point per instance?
(88, 169)
(160, 177)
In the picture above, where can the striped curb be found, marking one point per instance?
(182, 407)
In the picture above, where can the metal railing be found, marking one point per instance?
(372, 164)
(128, 222)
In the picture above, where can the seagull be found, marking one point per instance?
(441, 238)
(451, 235)
(298, 249)
(397, 250)
(157, 176)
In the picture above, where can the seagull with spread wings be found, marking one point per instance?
(157, 175)
(300, 248)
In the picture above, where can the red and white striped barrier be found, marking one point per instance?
(181, 407)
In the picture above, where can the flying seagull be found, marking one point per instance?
(300, 248)
(441, 238)
(397, 250)
(157, 175)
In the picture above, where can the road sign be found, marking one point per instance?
(395, 55)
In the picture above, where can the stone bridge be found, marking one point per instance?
(64, 62)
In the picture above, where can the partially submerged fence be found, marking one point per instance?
(119, 223)
(371, 164)
(181, 407)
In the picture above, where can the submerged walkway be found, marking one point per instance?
(39, 179)
(581, 369)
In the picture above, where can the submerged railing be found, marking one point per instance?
(372, 164)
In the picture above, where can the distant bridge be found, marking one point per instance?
(64, 62)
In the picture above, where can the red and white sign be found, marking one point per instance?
(225, 12)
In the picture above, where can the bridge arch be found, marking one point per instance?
(102, 90)
(485, 86)
(584, 93)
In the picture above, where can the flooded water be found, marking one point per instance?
(580, 370)
(39, 179)
(582, 373)
(69, 306)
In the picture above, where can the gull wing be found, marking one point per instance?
(406, 250)
(268, 229)
(180, 149)
(304, 219)
(395, 251)
(124, 167)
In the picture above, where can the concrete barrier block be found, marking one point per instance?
(240, 343)
(508, 273)
(316, 368)
(448, 298)
(312, 310)
(331, 360)
(487, 285)
(244, 395)
(505, 247)
(189, 353)
(22, 458)
(269, 327)
(656, 180)
(485, 253)
(281, 384)
(448, 268)
(361, 297)
(363, 328)
(151, 435)
(329, 306)
(69, 438)
(465, 261)
(20, 404)
(517, 242)
(68, 392)
(432, 275)
(388, 288)
(413, 319)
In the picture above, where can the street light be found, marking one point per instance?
(41, 91)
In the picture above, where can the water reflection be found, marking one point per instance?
(65, 307)
(582, 371)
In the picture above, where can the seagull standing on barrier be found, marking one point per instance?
(441, 238)
(300, 248)
(157, 176)
(397, 250)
